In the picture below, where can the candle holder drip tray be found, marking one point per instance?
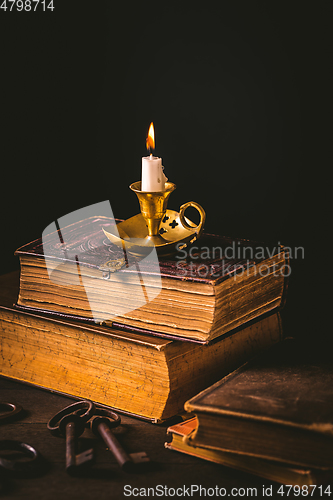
(156, 226)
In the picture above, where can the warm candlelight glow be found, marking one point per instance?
(150, 141)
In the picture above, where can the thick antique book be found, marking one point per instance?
(199, 294)
(268, 469)
(278, 406)
(144, 375)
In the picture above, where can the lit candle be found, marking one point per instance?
(152, 178)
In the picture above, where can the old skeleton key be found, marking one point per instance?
(70, 422)
(101, 424)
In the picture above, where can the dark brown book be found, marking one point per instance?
(278, 406)
(201, 293)
(144, 375)
(268, 469)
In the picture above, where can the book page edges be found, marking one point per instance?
(157, 343)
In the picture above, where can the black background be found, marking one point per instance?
(236, 91)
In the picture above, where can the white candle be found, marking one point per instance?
(152, 177)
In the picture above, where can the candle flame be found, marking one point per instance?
(150, 141)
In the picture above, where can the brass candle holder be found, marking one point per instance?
(156, 226)
(153, 206)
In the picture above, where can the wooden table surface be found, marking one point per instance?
(105, 479)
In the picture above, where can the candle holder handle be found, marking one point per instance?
(201, 211)
(155, 227)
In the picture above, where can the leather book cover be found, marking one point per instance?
(291, 384)
(211, 259)
(80, 256)
(278, 407)
(69, 357)
(267, 469)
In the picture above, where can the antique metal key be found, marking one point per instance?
(101, 424)
(70, 422)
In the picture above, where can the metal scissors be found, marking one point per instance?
(11, 412)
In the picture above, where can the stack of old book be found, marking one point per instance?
(90, 320)
(273, 417)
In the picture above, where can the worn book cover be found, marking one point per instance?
(268, 469)
(144, 375)
(199, 294)
(278, 406)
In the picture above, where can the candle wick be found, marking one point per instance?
(151, 156)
